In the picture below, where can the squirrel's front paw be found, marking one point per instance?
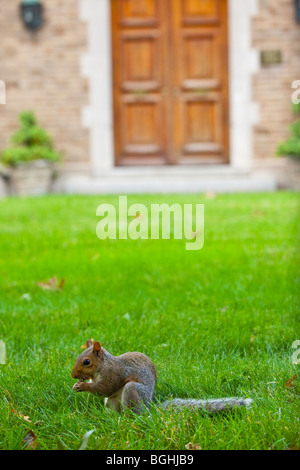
(79, 387)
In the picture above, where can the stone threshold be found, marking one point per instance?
(179, 179)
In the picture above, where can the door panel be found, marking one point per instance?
(199, 11)
(170, 81)
(141, 131)
(200, 52)
(140, 105)
(138, 12)
(200, 121)
(200, 82)
(141, 65)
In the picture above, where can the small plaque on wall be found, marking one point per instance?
(270, 58)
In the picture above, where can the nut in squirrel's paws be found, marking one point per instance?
(79, 387)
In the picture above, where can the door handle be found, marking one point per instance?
(201, 91)
(139, 95)
(139, 92)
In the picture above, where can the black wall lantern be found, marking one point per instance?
(32, 14)
(297, 3)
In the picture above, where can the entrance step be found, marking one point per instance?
(168, 180)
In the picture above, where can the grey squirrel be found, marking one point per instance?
(129, 380)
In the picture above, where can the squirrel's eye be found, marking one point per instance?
(86, 362)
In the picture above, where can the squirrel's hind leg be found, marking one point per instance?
(134, 397)
(114, 401)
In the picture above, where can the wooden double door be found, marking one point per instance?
(170, 81)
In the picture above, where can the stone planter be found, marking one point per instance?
(30, 179)
(293, 169)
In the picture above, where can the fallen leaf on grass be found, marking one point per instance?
(191, 446)
(290, 383)
(137, 216)
(195, 235)
(18, 413)
(257, 213)
(87, 344)
(210, 195)
(30, 440)
(52, 284)
(224, 309)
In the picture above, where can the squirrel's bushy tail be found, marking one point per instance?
(213, 405)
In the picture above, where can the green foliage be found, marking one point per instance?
(291, 147)
(14, 156)
(296, 108)
(295, 129)
(28, 119)
(30, 142)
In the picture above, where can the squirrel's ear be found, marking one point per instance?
(97, 347)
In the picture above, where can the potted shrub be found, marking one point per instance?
(291, 149)
(29, 164)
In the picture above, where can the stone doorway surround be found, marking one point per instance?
(96, 66)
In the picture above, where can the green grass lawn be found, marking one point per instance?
(217, 322)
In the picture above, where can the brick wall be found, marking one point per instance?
(42, 73)
(275, 28)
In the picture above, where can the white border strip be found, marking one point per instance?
(243, 62)
(97, 66)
